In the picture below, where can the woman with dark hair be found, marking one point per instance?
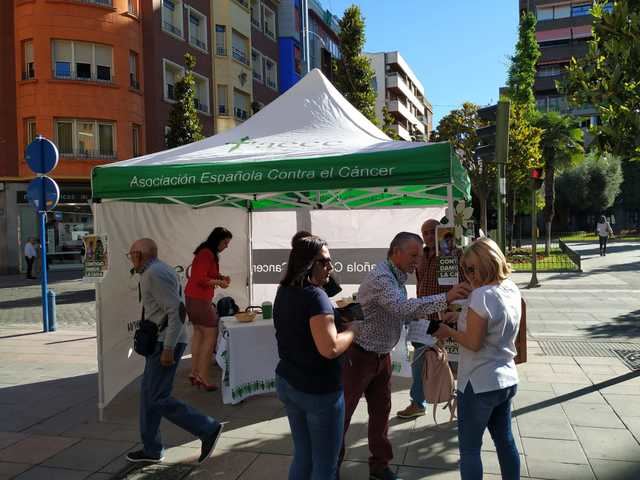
(309, 374)
(604, 231)
(204, 278)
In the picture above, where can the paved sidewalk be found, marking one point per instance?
(575, 418)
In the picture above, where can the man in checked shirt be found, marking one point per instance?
(367, 366)
(427, 284)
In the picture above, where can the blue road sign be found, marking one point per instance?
(43, 193)
(42, 155)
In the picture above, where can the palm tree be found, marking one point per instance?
(562, 147)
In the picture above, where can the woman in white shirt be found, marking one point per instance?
(487, 375)
(603, 230)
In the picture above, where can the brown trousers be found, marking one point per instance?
(369, 373)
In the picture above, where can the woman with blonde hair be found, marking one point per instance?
(487, 375)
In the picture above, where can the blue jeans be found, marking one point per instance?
(156, 402)
(317, 425)
(476, 412)
(416, 392)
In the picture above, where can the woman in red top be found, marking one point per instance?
(205, 276)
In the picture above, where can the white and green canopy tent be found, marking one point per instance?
(309, 150)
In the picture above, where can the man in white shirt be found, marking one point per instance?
(30, 256)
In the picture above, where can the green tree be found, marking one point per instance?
(184, 123)
(592, 186)
(608, 77)
(387, 124)
(353, 73)
(562, 148)
(459, 128)
(522, 71)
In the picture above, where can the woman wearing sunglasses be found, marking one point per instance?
(487, 375)
(309, 374)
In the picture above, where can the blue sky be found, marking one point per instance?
(459, 49)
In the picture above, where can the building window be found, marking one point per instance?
(255, 14)
(240, 105)
(134, 8)
(135, 140)
(581, 10)
(553, 13)
(29, 71)
(172, 17)
(256, 63)
(134, 80)
(240, 47)
(550, 70)
(197, 29)
(85, 138)
(172, 73)
(201, 92)
(82, 61)
(270, 73)
(223, 108)
(269, 22)
(29, 131)
(221, 40)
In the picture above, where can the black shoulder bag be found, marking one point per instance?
(146, 335)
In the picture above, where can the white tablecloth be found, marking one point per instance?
(248, 355)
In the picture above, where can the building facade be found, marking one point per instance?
(172, 28)
(264, 52)
(232, 62)
(323, 41)
(399, 89)
(67, 78)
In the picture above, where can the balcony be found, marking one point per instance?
(221, 51)
(398, 82)
(171, 28)
(198, 43)
(89, 154)
(240, 114)
(402, 132)
(240, 56)
(400, 108)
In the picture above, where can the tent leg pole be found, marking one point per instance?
(450, 211)
(250, 243)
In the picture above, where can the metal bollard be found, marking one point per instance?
(51, 306)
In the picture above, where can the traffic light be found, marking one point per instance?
(537, 175)
(486, 149)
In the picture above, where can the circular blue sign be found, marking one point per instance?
(43, 193)
(42, 155)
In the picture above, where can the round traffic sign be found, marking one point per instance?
(42, 155)
(43, 193)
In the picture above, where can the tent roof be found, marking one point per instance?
(308, 148)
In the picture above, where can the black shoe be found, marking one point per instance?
(386, 474)
(209, 443)
(141, 456)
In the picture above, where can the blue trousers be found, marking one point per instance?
(476, 412)
(156, 402)
(416, 392)
(317, 425)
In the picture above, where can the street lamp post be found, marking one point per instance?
(305, 34)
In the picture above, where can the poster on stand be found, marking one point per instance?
(96, 257)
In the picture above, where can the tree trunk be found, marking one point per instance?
(549, 198)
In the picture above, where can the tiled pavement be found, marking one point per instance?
(569, 422)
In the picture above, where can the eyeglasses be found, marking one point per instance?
(324, 261)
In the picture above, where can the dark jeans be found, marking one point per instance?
(316, 422)
(476, 412)
(30, 261)
(416, 392)
(369, 373)
(603, 244)
(156, 402)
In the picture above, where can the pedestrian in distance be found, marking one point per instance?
(161, 301)
(367, 369)
(30, 256)
(604, 231)
(204, 277)
(309, 373)
(487, 375)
